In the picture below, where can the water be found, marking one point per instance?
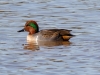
(80, 56)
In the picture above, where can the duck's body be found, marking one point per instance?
(46, 34)
(51, 35)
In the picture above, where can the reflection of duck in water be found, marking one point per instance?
(31, 46)
(48, 44)
(45, 35)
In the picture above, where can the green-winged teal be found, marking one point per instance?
(45, 35)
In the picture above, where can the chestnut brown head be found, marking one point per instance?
(31, 26)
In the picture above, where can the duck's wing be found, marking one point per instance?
(64, 32)
(49, 34)
(60, 31)
(55, 34)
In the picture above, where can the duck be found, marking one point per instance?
(34, 34)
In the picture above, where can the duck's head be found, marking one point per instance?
(31, 26)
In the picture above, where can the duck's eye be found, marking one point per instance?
(27, 25)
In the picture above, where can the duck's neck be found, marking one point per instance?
(31, 31)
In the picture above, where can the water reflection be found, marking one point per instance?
(31, 46)
(36, 46)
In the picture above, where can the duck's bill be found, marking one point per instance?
(22, 30)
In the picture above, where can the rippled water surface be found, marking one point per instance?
(80, 56)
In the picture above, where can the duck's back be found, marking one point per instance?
(54, 35)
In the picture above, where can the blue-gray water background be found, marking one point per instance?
(81, 57)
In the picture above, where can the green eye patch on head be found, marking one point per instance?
(34, 26)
